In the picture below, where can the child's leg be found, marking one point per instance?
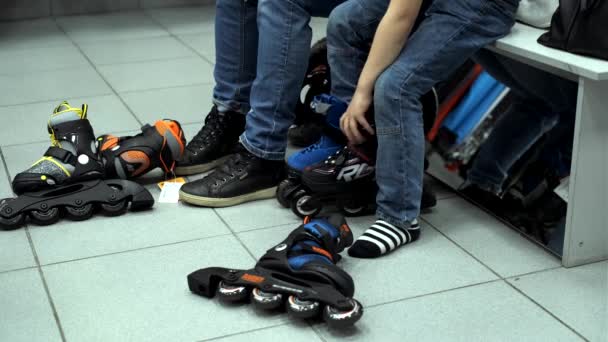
(452, 32)
(236, 45)
(350, 31)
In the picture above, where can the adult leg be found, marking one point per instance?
(282, 54)
(283, 51)
(236, 40)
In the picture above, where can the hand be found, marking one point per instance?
(354, 118)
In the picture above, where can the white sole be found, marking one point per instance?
(227, 202)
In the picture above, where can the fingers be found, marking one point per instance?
(363, 122)
(355, 134)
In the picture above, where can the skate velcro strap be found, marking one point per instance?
(307, 250)
(62, 155)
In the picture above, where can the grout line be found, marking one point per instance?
(97, 71)
(168, 87)
(547, 311)
(136, 249)
(235, 235)
(18, 269)
(179, 39)
(534, 272)
(8, 174)
(462, 248)
(245, 332)
(45, 285)
(51, 100)
(147, 60)
(505, 280)
(434, 293)
(48, 100)
(317, 332)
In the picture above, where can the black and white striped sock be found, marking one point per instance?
(383, 237)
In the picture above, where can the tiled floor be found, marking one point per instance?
(123, 279)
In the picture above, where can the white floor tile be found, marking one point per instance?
(106, 114)
(51, 85)
(185, 20)
(144, 296)
(489, 312)
(31, 34)
(114, 26)
(258, 214)
(15, 62)
(165, 223)
(158, 74)
(189, 104)
(488, 239)
(26, 314)
(578, 296)
(135, 50)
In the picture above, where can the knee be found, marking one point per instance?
(396, 96)
(338, 25)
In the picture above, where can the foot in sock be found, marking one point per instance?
(382, 238)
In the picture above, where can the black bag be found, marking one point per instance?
(579, 26)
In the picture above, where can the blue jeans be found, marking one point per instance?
(542, 102)
(451, 32)
(262, 49)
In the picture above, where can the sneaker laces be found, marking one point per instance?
(234, 165)
(213, 127)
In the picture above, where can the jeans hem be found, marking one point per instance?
(405, 224)
(259, 152)
(232, 106)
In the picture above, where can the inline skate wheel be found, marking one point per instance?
(304, 205)
(266, 300)
(80, 213)
(115, 209)
(284, 192)
(340, 319)
(44, 217)
(231, 293)
(353, 210)
(13, 222)
(302, 309)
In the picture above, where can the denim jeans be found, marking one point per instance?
(262, 50)
(451, 32)
(542, 102)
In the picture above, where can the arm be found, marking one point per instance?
(389, 40)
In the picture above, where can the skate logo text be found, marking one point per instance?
(352, 172)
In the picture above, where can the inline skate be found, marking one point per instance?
(301, 268)
(309, 125)
(72, 156)
(75, 201)
(331, 141)
(129, 157)
(346, 179)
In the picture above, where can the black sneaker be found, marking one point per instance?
(212, 144)
(242, 178)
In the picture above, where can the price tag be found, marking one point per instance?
(180, 180)
(169, 190)
(170, 193)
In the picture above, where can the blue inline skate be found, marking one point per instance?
(330, 142)
(299, 272)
